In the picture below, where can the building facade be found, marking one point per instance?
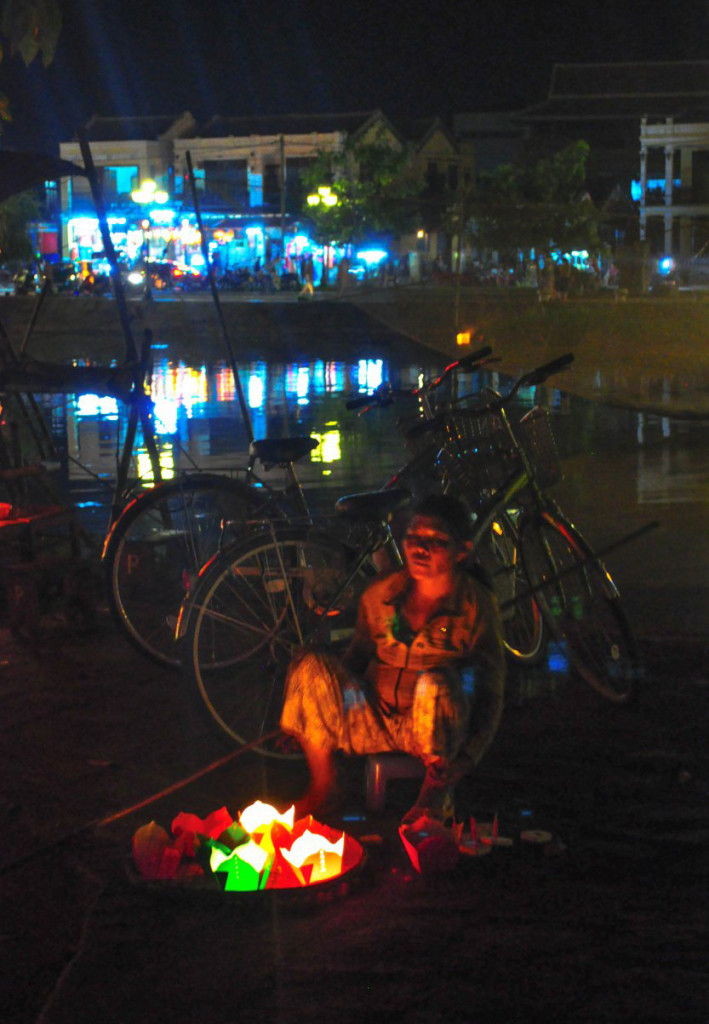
(647, 125)
(247, 175)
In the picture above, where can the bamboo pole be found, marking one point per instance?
(220, 312)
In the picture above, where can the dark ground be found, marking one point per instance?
(607, 923)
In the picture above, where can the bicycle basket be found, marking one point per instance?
(477, 456)
(537, 439)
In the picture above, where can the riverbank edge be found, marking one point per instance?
(646, 354)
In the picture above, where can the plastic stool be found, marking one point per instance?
(383, 767)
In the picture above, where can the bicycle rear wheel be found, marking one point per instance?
(158, 545)
(498, 553)
(580, 604)
(251, 607)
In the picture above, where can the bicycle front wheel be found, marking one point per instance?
(251, 607)
(580, 604)
(498, 553)
(156, 548)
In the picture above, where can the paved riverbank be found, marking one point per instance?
(604, 923)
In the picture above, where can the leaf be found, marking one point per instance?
(33, 27)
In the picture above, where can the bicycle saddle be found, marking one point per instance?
(282, 450)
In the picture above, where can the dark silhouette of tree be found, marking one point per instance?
(16, 214)
(31, 28)
(374, 188)
(535, 206)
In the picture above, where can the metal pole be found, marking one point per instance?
(137, 363)
(282, 182)
(131, 348)
(220, 313)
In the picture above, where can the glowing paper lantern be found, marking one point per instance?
(314, 850)
(245, 867)
(259, 813)
(283, 874)
(187, 827)
(273, 837)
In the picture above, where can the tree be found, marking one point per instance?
(540, 206)
(32, 28)
(16, 214)
(373, 186)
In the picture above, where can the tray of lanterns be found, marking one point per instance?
(259, 850)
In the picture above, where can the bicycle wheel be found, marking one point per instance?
(156, 548)
(251, 607)
(580, 604)
(498, 553)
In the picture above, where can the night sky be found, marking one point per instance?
(132, 57)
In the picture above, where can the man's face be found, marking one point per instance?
(429, 549)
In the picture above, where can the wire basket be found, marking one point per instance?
(537, 438)
(476, 454)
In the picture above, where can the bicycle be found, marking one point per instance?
(162, 538)
(496, 547)
(286, 586)
(157, 545)
(505, 469)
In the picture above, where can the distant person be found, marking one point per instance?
(343, 275)
(307, 273)
(546, 291)
(562, 279)
(420, 631)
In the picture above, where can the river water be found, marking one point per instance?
(622, 468)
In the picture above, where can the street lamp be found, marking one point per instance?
(327, 198)
(324, 196)
(148, 194)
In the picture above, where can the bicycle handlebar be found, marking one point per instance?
(384, 395)
(533, 377)
(541, 373)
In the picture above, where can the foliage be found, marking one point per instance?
(537, 206)
(15, 216)
(374, 188)
(32, 29)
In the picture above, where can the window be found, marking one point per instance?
(119, 181)
(272, 186)
(226, 182)
(435, 180)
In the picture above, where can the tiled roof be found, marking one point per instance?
(282, 124)
(128, 129)
(631, 79)
(611, 108)
(623, 91)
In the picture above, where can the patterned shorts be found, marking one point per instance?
(332, 709)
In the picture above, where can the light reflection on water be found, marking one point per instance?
(199, 424)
